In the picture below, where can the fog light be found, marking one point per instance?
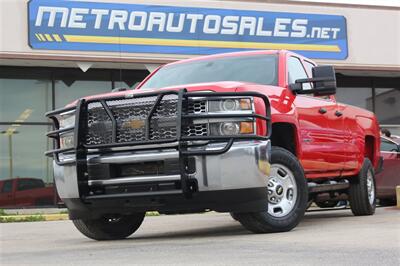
(229, 128)
(67, 141)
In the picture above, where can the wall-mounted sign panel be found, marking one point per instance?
(111, 27)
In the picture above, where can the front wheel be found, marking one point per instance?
(287, 196)
(110, 227)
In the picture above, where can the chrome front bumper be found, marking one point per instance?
(245, 165)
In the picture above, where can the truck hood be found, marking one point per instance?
(223, 86)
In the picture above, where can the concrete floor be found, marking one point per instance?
(325, 237)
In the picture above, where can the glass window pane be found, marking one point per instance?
(309, 66)
(387, 106)
(7, 186)
(394, 131)
(360, 97)
(388, 146)
(28, 184)
(22, 153)
(67, 92)
(25, 99)
(122, 84)
(296, 71)
(261, 69)
(128, 79)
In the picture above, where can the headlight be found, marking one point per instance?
(231, 128)
(230, 105)
(67, 120)
(67, 140)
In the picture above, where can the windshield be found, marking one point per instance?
(261, 69)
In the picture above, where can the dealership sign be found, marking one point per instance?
(112, 27)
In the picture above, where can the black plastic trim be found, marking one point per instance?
(189, 185)
(235, 200)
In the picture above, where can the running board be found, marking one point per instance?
(327, 187)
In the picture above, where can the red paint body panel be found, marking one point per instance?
(328, 146)
(389, 178)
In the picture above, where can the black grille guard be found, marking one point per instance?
(81, 149)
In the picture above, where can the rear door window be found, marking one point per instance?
(27, 184)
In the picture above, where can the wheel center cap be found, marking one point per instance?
(279, 190)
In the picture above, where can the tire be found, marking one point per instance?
(234, 217)
(270, 221)
(111, 227)
(327, 204)
(362, 196)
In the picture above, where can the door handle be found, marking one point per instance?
(338, 113)
(322, 111)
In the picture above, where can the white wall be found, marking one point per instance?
(373, 33)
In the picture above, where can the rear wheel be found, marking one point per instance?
(287, 196)
(362, 191)
(110, 227)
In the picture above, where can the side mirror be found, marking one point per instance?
(324, 82)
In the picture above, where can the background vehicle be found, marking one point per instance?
(389, 178)
(395, 138)
(26, 192)
(320, 148)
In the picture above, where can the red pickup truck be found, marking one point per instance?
(258, 134)
(26, 192)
